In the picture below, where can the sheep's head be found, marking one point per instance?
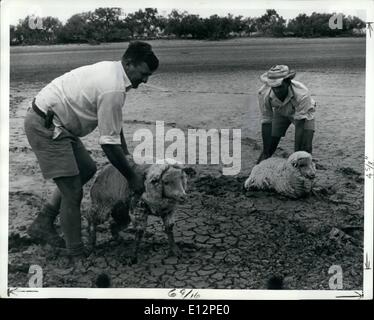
(166, 183)
(303, 162)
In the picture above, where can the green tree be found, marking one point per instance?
(144, 23)
(13, 36)
(192, 25)
(106, 23)
(77, 29)
(28, 32)
(300, 26)
(218, 27)
(352, 23)
(51, 29)
(174, 23)
(271, 23)
(239, 24)
(317, 25)
(249, 25)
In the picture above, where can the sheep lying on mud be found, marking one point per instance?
(165, 186)
(292, 177)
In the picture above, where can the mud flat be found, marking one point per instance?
(230, 239)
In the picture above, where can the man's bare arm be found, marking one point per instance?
(299, 132)
(123, 143)
(116, 156)
(303, 136)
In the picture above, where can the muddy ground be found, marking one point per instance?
(230, 238)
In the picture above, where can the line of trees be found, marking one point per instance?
(111, 25)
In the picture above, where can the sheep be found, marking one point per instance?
(292, 177)
(165, 186)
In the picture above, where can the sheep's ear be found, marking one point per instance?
(295, 163)
(155, 172)
(301, 162)
(154, 180)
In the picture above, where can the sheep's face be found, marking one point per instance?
(303, 162)
(174, 183)
(166, 182)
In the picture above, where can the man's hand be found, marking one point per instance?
(118, 159)
(303, 136)
(136, 183)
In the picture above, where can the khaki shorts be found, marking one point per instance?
(280, 125)
(59, 157)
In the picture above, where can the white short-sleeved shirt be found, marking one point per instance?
(88, 97)
(298, 104)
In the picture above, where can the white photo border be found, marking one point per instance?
(204, 294)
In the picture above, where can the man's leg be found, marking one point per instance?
(71, 196)
(40, 139)
(65, 156)
(43, 226)
(272, 134)
(87, 169)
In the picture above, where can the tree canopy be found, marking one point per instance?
(113, 25)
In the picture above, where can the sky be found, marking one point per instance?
(19, 9)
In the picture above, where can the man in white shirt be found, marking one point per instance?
(72, 106)
(283, 101)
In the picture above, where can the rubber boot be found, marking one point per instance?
(78, 251)
(43, 230)
(75, 254)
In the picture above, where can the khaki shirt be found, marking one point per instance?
(298, 104)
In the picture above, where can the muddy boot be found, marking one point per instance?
(77, 253)
(74, 255)
(42, 229)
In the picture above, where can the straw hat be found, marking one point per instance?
(276, 75)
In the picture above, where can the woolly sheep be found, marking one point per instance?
(165, 186)
(292, 177)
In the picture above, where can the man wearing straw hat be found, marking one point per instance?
(284, 101)
(72, 106)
